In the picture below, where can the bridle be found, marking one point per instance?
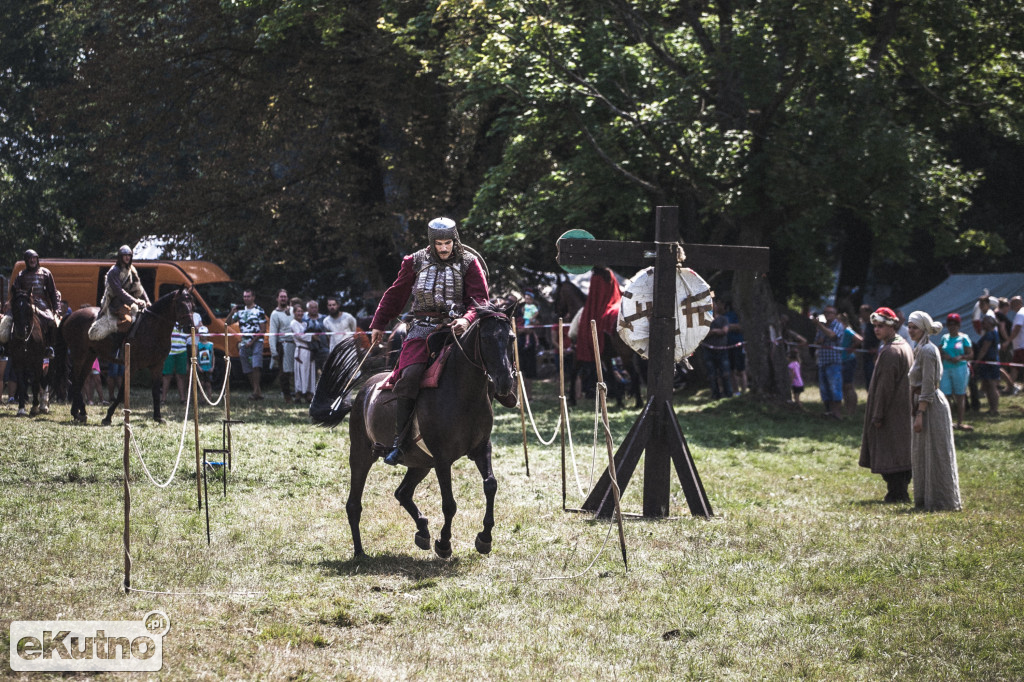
(477, 351)
(23, 299)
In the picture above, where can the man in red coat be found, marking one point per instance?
(602, 305)
(445, 282)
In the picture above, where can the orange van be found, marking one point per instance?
(82, 282)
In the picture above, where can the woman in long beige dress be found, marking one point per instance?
(932, 452)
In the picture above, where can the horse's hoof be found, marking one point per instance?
(160, 421)
(33, 412)
(105, 422)
(443, 550)
(44, 410)
(422, 540)
(22, 412)
(482, 546)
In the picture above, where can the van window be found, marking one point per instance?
(147, 275)
(220, 296)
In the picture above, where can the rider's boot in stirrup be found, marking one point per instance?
(403, 417)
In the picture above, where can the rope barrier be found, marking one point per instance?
(181, 445)
(223, 388)
(533, 423)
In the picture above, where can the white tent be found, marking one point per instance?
(959, 293)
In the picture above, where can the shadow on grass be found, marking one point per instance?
(429, 566)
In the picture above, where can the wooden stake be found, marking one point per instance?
(127, 457)
(563, 411)
(193, 377)
(522, 397)
(608, 441)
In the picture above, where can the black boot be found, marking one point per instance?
(403, 417)
(48, 353)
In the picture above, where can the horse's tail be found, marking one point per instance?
(59, 365)
(331, 400)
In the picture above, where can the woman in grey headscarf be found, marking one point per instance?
(932, 453)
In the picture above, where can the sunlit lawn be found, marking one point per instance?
(802, 572)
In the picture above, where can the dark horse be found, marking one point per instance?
(26, 349)
(150, 341)
(452, 420)
(568, 299)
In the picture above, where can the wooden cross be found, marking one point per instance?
(657, 430)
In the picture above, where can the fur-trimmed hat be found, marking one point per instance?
(885, 316)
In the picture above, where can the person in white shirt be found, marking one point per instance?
(339, 323)
(282, 344)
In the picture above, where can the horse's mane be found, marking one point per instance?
(163, 303)
(488, 309)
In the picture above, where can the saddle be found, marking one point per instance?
(431, 375)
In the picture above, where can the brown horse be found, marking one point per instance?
(26, 349)
(150, 340)
(451, 421)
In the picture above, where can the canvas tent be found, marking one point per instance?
(959, 293)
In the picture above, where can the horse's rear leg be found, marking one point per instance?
(482, 457)
(114, 403)
(443, 545)
(360, 458)
(404, 494)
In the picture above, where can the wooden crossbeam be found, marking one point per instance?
(639, 254)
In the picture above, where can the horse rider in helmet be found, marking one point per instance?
(123, 298)
(445, 280)
(38, 281)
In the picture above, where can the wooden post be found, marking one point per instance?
(226, 436)
(608, 440)
(661, 354)
(193, 377)
(562, 411)
(127, 457)
(657, 430)
(522, 396)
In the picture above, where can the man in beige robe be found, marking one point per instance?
(885, 447)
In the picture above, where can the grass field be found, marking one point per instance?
(802, 572)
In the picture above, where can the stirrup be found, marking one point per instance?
(48, 353)
(393, 456)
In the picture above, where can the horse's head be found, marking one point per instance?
(23, 314)
(497, 345)
(568, 299)
(184, 305)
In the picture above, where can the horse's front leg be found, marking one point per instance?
(482, 457)
(404, 494)
(157, 390)
(34, 378)
(21, 390)
(443, 545)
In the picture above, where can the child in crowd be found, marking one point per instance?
(796, 379)
(204, 359)
(93, 386)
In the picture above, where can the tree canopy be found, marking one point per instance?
(306, 144)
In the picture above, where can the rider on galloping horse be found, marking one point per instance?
(37, 281)
(445, 281)
(123, 298)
